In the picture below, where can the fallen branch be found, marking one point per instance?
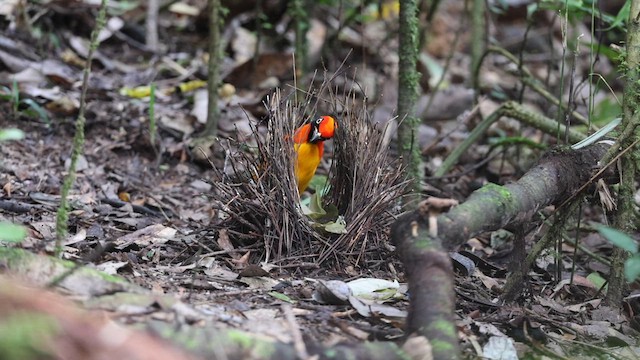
(556, 178)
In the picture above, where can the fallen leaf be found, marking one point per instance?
(150, 235)
(500, 348)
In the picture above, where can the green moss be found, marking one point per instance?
(440, 346)
(191, 342)
(263, 349)
(496, 194)
(494, 188)
(444, 327)
(11, 254)
(330, 353)
(105, 276)
(22, 261)
(241, 338)
(25, 335)
(64, 263)
(408, 78)
(423, 242)
(504, 193)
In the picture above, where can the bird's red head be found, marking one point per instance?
(322, 128)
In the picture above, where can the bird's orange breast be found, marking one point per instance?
(309, 146)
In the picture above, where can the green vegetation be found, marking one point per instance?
(624, 241)
(12, 232)
(23, 107)
(26, 335)
(62, 217)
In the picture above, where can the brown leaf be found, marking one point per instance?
(225, 244)
(253, 270)
(153, 234)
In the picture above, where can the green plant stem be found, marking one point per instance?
(586, 251)
(562, 109)
(407, 95)
(152, 116)
(625, 218)
(62, 217)
(213, 70)
(511, 109)
(555, 235)
(300, 16)
(529, 80)
(445, 68)
(478, 25)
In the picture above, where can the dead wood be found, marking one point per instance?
(64, 331)
(51, 327)
(212, 343)
(556, 178)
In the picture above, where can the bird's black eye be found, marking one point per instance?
(318, 121)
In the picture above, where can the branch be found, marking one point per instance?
(422, 238)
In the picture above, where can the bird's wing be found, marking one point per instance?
(302, 134)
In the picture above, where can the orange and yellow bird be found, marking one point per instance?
(309, 146)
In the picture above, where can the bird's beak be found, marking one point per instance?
(315, 136)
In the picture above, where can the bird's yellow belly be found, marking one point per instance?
(308, 159)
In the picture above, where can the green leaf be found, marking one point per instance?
(605, 111)
(596, 279)
(318, 183)
(316, 205)
(531, 9)
(281, 296)
(331, 210)
(373, 288)
(336, 227)
(12, 232)
(619, 239)
(38, 110)
(622, 16)
(11, 134)
(312, 207)
(632, 268)
(597, 135)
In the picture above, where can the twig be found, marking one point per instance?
(298, 343)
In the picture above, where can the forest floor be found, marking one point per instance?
(148, 213)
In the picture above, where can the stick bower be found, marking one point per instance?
(258, 203)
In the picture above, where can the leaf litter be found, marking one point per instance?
(166, 239)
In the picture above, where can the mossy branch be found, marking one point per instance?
(514, 110)
(62, 217)
(529, 80)
(407, 95)
(422, 237)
